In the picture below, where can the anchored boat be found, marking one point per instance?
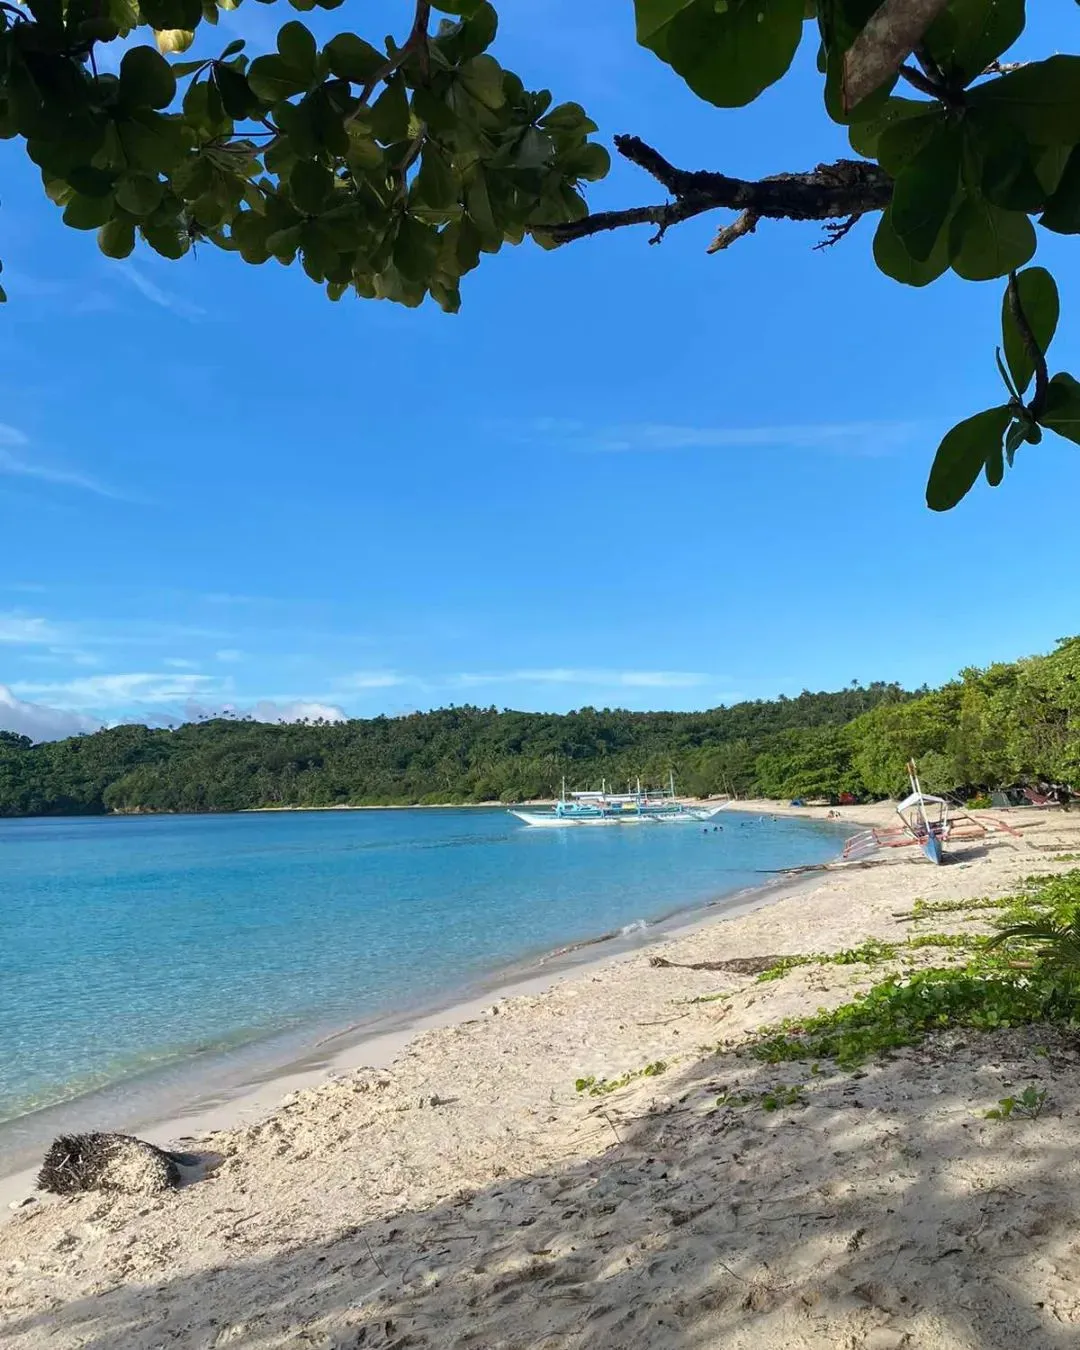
(618, 808)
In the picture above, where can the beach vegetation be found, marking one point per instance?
(1029, 972)
(1028, 1104)
(387, 168)
(601, 1087)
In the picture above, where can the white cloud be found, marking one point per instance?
(149, 290)
(18, 466)
(28, 631)
(296, 711)
(864, 439)
(115, 691)
(180, 663)
(267, 710)
(372, 679)
(229, 654)
(38, 721)
(623, 679)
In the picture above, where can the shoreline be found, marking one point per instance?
(592, 1159)
(376, 1042)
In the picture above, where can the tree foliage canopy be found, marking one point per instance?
(390, 168)
(1009, 723)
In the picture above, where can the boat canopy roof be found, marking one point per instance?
(923, 797)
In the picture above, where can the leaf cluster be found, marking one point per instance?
(388, 170)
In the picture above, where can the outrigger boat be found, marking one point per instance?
(928, 821)
(618, 808)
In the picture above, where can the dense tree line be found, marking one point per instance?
(464, 754)
(1008, 723)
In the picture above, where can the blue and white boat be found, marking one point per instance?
(618, 808)
(925, 817)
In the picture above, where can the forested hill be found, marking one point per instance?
(452, 755)
(1004, 724)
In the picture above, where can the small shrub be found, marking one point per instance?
(1029, 1104)
(600, 1087)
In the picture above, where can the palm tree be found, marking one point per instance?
(1060, 941)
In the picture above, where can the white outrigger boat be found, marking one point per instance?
(618, 808)
(928, 821)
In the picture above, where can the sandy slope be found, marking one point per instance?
(470, 1197)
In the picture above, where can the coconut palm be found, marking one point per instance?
(1059, 941)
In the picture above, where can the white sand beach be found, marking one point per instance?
(463, 1193)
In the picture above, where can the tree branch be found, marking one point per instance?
(416, 41)
(894, 29)
(831, 191)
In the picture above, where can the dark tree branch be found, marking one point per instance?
(834, 233)
(831, 191)
(924, 83)
(1031, 346)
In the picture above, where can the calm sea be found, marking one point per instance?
(132, 945)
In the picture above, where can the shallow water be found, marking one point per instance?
(131, 944)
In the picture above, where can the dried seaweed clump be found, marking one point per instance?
(106, 1162)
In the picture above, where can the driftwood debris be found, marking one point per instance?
(737, 965)
(110, 1162)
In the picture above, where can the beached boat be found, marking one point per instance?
(925, 817)
(928, 821)
(618, 808)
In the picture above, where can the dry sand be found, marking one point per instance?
(468, 1196)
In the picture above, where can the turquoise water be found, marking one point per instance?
(130, 944)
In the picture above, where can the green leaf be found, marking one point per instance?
(969, 34)
(591, 162)
(165, 14)
(483, 78)
(1015, 437)
(727, 51)
(995, 460)
(470, 36)
(390, 113)
(1062, 213)
(653, 15)
(1062, 410)
(153, 142)
(436, 184)
(351, 58)
(924, 192)
(174, 39)
(139, 194)
(237, 97)
(415, 249)
(987, 242)
(117, 238)
(962, 454)
(310, 186)
(87, 213)
(1041, 99)
(235, 47)
(905, 137)
(1039, 300)
(273, 79)
(866, 135)
(297, 49)
(168, 240)
(146, 79)
(1006, 378)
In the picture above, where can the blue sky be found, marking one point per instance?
(622, 475)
